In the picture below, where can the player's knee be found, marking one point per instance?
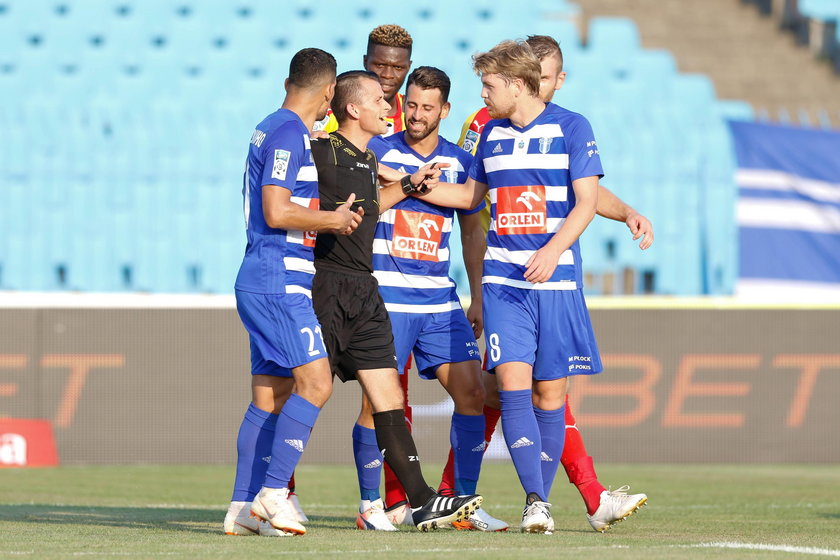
(316, 391)
(472, 398)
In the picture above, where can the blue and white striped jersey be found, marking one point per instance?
(411, 247)
(278, 261)
(529, 172)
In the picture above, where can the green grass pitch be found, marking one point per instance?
(694, 511)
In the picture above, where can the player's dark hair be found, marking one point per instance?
(349, 90)
(545, 46)
(390, 35)
(311, 67)
(429, 77)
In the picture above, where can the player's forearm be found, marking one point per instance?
(573, 226)
(296, 217)
(611, 207)
(451, 195)
(389, 175)
(390, 194)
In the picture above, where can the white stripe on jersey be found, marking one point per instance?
(525, 285)
(552, 225)
(537, 131)
(431, 308)
(526, 161)
(299, 265)
(301, 201)
(554, 193)
(307, 173)
(400, 280)
(387, 217)
(294, 236)
(293, 289)
(382, 247)
(306, 142)
(521, 257)
(395, 157)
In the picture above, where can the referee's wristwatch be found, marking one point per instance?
(407, 186)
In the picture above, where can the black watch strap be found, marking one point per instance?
(405, 183)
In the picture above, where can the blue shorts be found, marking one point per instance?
(283, 331)
(435, 339)
(548, 329)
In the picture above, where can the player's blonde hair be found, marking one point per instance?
(390, 35)
(511, 60)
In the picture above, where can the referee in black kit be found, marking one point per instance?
(356, 329)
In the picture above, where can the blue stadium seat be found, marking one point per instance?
(614, 34)
(161, 96)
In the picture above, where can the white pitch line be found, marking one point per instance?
(769, 547)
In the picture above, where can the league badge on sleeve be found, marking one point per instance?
(470, 140)
(281, 164)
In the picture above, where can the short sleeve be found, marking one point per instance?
(283, 153)
(584, 159)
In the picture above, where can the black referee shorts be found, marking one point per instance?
(355, 324)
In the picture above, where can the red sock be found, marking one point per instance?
(491, 418)
(579, 465)
(292, 482)
(394, 492)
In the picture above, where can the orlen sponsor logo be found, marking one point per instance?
(417, 235)
(520, 210)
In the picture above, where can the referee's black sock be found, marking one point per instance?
(400, 453)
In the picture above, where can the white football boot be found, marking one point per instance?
(372, 517)
(400, 515)
(301, 517)
(536, 518)
(481, 521)
(273, 506)
(238, 520)
(616, 505)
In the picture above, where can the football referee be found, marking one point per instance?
(356, 329)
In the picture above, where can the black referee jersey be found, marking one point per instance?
(343, 170)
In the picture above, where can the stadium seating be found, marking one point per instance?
(124, 125)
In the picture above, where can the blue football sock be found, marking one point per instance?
(522, 436)
(293, 428)
(253, 447)
(467, 438)
(552, 425)
(368, 461)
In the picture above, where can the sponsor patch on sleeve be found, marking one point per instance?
(281, 164)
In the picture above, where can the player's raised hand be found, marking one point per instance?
(319, 134)
(427, 177)
(541, 265)
(349, 220)
(640, 227)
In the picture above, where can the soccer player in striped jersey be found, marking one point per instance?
(411, 265)
(274, 301)
(603, 507)
(541, 167)
(389, 57)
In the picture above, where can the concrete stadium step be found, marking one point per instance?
(743, 52)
